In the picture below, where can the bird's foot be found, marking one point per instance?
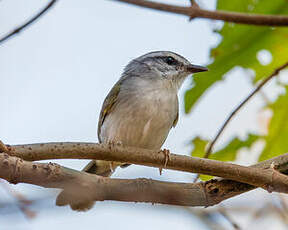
(166, 153)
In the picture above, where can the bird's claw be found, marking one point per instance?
(166, 153)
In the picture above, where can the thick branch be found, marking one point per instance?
(29, 22)
(196, 12)
(267, 178)
(16, 170)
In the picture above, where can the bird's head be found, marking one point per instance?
(163, 65)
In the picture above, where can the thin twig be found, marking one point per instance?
(283, 202)
(222, 210)
(195, 12)
(194, 3)
(206, 216)
(28, 23)
(22, 201)
(261, 92)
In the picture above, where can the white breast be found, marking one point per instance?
(141, 119)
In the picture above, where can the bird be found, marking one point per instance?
(139, 110)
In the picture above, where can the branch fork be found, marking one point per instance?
(16, 168)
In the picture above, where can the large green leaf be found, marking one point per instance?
(277, 138)
(240, 44)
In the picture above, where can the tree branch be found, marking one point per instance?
(16, 170)
(268, 178)
(28, 23)
(196, 12)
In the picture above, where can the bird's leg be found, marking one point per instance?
(166, 153)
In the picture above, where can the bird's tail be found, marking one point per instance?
(101, 168)
(98, 167)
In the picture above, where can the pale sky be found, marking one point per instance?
(55, 75)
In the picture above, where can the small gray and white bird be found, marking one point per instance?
(140, 109)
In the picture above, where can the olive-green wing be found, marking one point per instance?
(108, 105)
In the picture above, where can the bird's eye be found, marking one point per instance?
(170, 61)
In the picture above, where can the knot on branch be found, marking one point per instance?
(52, 170)
(193, 11)
(16, 171)
(12, 166)
(217, 190)
(142, 183)
(212, 192)
(278, 181)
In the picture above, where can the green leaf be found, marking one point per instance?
(277, 138)
(240, 44)
(199, 146)
(227, 153)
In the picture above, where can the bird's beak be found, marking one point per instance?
(195, 68)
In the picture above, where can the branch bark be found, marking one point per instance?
(16, 170)
(196, 12)
(267, 178)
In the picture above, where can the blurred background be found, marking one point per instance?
(54, 77)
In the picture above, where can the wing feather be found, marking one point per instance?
(108, 106)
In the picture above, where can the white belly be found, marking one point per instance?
(142, 121)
